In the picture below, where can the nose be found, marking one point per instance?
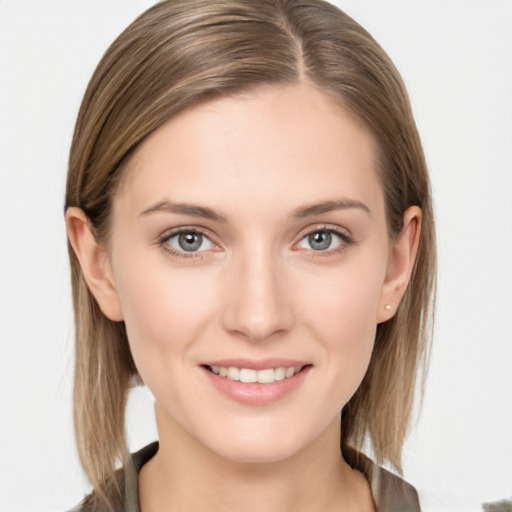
(258, 303)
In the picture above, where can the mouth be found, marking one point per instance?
(256, 383)
(252, 375)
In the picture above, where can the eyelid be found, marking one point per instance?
(162, 241)
(174, 242)
(344, 234)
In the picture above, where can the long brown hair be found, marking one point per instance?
(179, 53)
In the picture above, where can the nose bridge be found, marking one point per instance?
(259, 302)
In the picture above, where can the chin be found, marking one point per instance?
(269, 451)
(262, 442)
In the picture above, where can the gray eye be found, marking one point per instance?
(320, 241)
(190, 241)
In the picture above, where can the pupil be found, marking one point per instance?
(190, 241)
(320, 240)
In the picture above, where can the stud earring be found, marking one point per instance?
(388, 307)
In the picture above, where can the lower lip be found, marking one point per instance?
(255, 393)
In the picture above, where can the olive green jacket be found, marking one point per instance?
(390, 493)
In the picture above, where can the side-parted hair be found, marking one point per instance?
(182, 52)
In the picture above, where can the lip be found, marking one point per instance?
(255, 393)
(260, 364)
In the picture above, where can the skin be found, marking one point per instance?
(257, 288)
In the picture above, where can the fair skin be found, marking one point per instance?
(282, 259)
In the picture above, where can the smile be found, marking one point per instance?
(256, 383)
(250, 375)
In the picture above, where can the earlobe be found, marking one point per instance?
(402, 256)
(94, 262)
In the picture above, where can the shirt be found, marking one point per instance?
(390, 493)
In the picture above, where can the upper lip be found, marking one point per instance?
(257, 364)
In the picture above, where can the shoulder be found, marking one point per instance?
(393, 494)
(122, 491)
(390, 492)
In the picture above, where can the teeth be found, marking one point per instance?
(280, 373)
(266, 376)
(248, 375)
(233, 373)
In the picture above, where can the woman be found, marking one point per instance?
(251, 235)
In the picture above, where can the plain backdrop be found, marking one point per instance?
(456, 59)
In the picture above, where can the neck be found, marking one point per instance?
(186, 475)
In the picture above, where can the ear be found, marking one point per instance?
(94, 262)
(402, 256)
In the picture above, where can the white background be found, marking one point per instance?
(456, 58)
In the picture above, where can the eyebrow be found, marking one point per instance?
(185, 209)
(328, 206)
(203, 212)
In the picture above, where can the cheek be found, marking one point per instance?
(344, 301)
(341, 312)
(164, 311)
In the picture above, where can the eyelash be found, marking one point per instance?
(345, 241)
(163, 242)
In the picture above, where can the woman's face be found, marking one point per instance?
(249, 238)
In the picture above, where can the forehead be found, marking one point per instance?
(279, 145)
